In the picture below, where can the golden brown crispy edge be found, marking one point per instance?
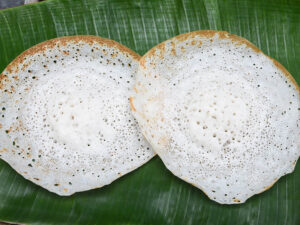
(222, 35)
(43, 46)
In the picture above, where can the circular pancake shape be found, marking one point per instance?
(65, 120)
(222, 115)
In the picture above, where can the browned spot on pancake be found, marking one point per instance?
(36, 178)
(65, 190)
(142, 63)
(66, 52)
(173, 52)
(9, 130)
(3, 78)
(104, 52)
(131, 104)
(25, 66)
(3, 150)
(135, 89)
(16, 77)
(114, 55)
(163, 141)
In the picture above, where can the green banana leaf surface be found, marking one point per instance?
(150, 195)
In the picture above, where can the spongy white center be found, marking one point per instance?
(77, 106)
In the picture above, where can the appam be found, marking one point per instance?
(65, 120)
(220, 114)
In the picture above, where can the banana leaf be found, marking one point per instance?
(150, 195)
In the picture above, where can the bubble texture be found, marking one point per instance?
(220, 114)
(67, 125)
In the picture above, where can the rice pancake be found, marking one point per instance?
(65, 120)
(221, 114)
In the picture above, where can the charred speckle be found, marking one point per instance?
(3, 108)
(29, 165)
(33, 160)
(14, 143)
(33, 77)
(29, 71)
(70, 183)
(56, 185)
(54, 61)
(7, 131)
